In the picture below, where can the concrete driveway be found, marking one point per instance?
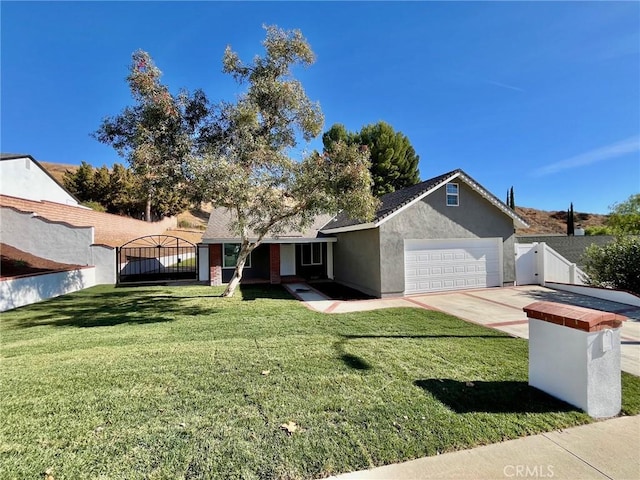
(499, 308)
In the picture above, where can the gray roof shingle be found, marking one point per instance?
(391, 202)
(218, 228)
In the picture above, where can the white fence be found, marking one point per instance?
(537, 263)
(20, 291)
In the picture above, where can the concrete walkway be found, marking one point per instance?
(499, 308)
(603, 450)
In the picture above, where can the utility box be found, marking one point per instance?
(574, 355)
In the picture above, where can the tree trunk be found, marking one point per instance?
(245, 250)
(147, 210)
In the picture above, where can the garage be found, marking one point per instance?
(452, 264)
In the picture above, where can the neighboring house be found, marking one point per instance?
(39, 216)
(23, 177)
(445, 233)
(26, 186)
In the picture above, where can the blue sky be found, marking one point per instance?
(542, 96)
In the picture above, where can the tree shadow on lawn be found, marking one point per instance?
(496, 336)
(350, 360)
(358, 363)
(105, 310)
(492, 397)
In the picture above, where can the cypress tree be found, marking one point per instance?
(512, 202)
(570, 225)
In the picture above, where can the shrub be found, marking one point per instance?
(598, 230)
(184, 224)
(98, 207)
(615, 265)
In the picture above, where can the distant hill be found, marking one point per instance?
(544, 222)
(540, 221)
(57, 169)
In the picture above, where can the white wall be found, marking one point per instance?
(58, 242)
(571, 365)
(618, 296)
(18, 292)
(104, 259)
(23, 178)
(55, 241)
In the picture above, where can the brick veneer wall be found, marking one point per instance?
(110, 229)
(215, 264)
(274, 263)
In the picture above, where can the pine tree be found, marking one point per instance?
(570, 224)
(394, 162)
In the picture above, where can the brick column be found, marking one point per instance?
(274, 263)
(215, 265)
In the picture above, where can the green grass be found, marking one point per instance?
(166, 383)
(189, 262)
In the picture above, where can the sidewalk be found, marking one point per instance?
(602, 450)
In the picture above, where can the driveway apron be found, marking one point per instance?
(501, 308)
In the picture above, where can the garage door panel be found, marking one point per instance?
(449, 265)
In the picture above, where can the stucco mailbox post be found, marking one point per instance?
(574, 355)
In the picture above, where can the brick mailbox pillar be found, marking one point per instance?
(574, 355)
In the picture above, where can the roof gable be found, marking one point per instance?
(19, 156)
(396, 202)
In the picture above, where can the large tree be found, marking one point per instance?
(625, 216)
(394, 163)
(245, 164)
(120, 191)
(155, 135)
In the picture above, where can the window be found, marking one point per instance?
(311, 254)
(453, 196)
(230, 253)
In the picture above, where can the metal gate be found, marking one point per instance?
(157, 258)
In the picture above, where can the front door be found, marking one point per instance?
(287, 259)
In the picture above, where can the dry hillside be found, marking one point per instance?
(541, 221)
(56, 170)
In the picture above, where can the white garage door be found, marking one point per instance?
(455, 264)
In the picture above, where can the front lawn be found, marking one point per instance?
(162, 382)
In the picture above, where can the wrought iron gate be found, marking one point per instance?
(157, 258)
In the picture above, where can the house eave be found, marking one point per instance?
(213, 241)
(350, 228)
